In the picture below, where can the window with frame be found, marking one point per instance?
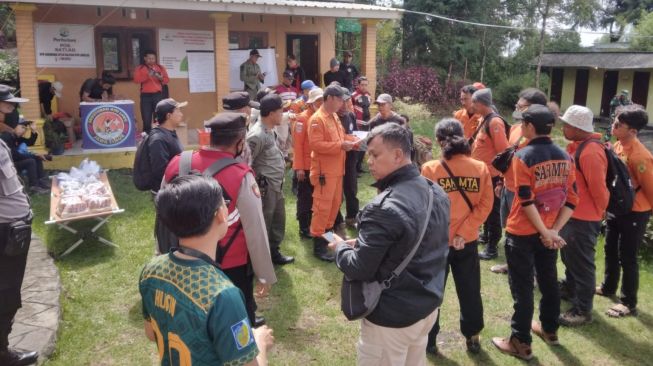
(120, 50)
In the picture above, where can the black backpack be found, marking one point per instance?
(617, 179)
(142, 171)
(486, 126)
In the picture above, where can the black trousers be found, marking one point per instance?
(524, 253)
(12, 270)
(243, 278)
(623, 236)
(466, 270)
(34, 168)
(492, 227)
(304, 202)
(350, 185)
(578, 257)
(148, 105)
(360, 156)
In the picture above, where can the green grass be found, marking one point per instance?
(102, 323)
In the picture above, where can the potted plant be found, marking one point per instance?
(55, 135)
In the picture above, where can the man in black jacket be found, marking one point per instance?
(395, 333)
(163, 145)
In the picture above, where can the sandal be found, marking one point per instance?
(620, 311)
(599, 291)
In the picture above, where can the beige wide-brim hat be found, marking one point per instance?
(314, 95)
(579, 117)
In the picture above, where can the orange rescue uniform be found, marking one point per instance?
(471, 176)
(535, 173)
(594, 197)
(325, 137)
(486, 147)
(470, 123)
(515, 136)
(301, 150)
(640, 166)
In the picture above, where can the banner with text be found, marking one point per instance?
(173, 44)
(64, 45)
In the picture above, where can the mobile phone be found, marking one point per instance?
(329, 236)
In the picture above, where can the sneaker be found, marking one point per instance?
(573, 318)
(490, 252)
(549, 338)
(474, 344)
(513, 347)
(499, 268)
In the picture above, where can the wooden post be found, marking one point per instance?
(368, 53)
(221, 48)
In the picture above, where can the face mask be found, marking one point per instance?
(239, 151)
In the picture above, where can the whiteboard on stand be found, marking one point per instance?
(201, 71)
(268, 64)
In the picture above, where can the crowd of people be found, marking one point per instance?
(220, 222)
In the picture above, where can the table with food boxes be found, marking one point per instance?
(84, 193)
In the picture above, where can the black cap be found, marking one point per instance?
(333, 90)
(227, 122)
(168, 105)
(270, 103)
(288, 74)
(254, 52)
(237, 100)
(7, 96)
(539, 115)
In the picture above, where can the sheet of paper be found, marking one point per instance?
(201, 71)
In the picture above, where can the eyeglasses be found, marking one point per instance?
(520, 108)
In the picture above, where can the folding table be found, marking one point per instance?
(84, 234)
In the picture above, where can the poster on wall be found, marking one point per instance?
(201, 71)
(173, 44)
(64, 45)
(268, 64)
(108, 125)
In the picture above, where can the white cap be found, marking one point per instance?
(58, 87)
(579, 117)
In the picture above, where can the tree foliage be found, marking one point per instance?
(617, 14)
(643, 37)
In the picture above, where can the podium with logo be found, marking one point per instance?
(108, 125)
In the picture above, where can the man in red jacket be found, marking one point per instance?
(154, 80)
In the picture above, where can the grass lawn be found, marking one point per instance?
(102, 322)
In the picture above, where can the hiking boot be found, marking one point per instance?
(549, 338)
(474, 344)
(513, 347)
(499, 268)
(490, 252)
(574, 317)
(320, 250)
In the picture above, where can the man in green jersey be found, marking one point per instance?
(192, 311)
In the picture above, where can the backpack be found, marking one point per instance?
(617, 179)
(142, 170)
(486, 126)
